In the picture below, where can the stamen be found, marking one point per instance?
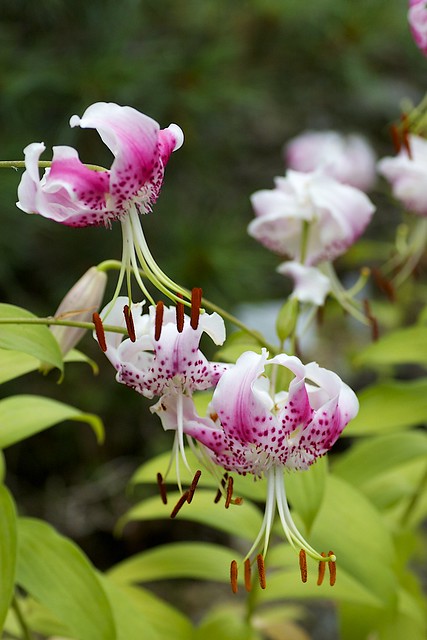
(384, 285)
(220, 492)
(395, 136)
(99, 330)
(237, 500)
(193, 485)
(218, 496)
(322, 569)
(332, 569)
(179, 315)
(303, 565)
(372, 320)
(129, 323)
(183, 499)
(233, 576)
(405, 135)
(261, 571)
(248, 585)
(229, 492)
(196, 301)
(160, 307)
(162, 488)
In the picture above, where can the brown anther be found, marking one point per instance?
(248, 585)
(229, 495)
(196, 301)
(405, 135)
(193, 485)
(233, 576)
(179, 315)
(322, 569)
(218, 496)
(129, 323)
(303, 565)
(220, 492)
(160, 307)
(384, 285)
(237, 500)
(261, 571)
(372, 320)
(183, 499)
(162, 488)
(332, 570)
(99, 330)
(395, 136)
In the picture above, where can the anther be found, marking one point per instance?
(248, 585)
(332, 569)
(261, 571)
(162, 488)
(196, 301)
(237, 500)
(218, 496)
(384, 285)
(99, 330)
(322, 569)
(179, 315)
(233, 576)
(220, 489)
(129, 323)
(395, 136)
(160, 307)
(372, 320)
(193, 485)
(229, 495)
(183, 499)
(303, 565)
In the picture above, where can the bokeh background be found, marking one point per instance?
(241, 78)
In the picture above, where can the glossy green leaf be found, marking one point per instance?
(34, 340)
(390, 406)
(16, 363)
(305, 490)
(241, 520)
(197, 560)
(408, 345)
(7, 551)
(23, 416)
(55, 572)
(245, 486)
(140, 615)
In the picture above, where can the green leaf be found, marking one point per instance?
(227, 622)
(16, 363)
(140, 615)
(2, 467)
(241, 520)
(306, 489)
(34, 340)
(197, 560)
(7, 551)
(55, 572)
(390, 406)
(23, 416)
(408, 345)
(78, 356)
(236, 344)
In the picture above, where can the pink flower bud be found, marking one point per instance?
(83, 299)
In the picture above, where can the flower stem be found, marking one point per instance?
(26, 633)
(43, 164)
(63, 323)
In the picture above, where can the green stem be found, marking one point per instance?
(43, 164)
(26, 633)
(62, 323)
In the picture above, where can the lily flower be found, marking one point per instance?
(417, 17)
(76, 195)
(309, 217)
(251, 429)
(171, 366)
(349, 159)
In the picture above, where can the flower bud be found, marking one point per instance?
(83, 299)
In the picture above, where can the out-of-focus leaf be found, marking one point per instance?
(78, 356)
(23, 416)
(390, 406)
(140, 615)
(240, 520)
(408, 345)
(34, 340)
(2, 466)
(236, 344)
(55, 572)
(15, 363)
(7, 551)
(305, 490)
(197, 560)
(245, 486)
(227, 622)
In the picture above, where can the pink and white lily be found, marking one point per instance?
(251, 429)
(417, 17)
(76, 195)
(309, 217)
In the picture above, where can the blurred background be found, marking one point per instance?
(241, 78)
